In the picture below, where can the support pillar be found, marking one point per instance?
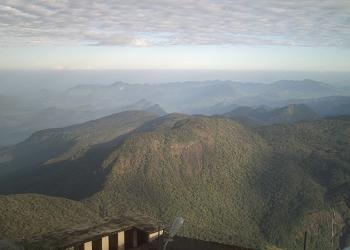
(88, 245)
(121, 240)
(105, 243)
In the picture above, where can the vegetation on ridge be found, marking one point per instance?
(233, 184)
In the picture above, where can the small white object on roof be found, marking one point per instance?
(177, 224)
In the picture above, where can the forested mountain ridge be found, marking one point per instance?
(266, 116)
(26, 215)
(233, 184)
(53, 145)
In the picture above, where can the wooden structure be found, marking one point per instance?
(123, 233)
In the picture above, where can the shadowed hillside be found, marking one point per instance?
(54, 145)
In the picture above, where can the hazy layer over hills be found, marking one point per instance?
(188, 97)
(263, 115)
(24, 114)
(18, 121)
(232, 183)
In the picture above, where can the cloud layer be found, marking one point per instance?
(175, 22)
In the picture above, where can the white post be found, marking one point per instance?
(105, 243)
(121, 240)
(88, 245)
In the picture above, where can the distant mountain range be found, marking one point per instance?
(250, 186)
(19, 122)
(188, 96)
(20, 116)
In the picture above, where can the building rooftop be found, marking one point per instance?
(83, 233)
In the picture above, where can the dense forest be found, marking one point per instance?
(259, 187)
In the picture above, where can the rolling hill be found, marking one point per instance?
(330, 105)
(26, 215)
(233, 184)
(54, 145)
(265, 115)
(20, 116)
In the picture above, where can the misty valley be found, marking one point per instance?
(248, 165)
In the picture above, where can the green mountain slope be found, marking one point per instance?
(25, 216)
(193, 169)
(314, 155)
(232, 184)
(61, 144)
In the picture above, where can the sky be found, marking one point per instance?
(294, 35)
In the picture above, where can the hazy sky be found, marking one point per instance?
(175, 34)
